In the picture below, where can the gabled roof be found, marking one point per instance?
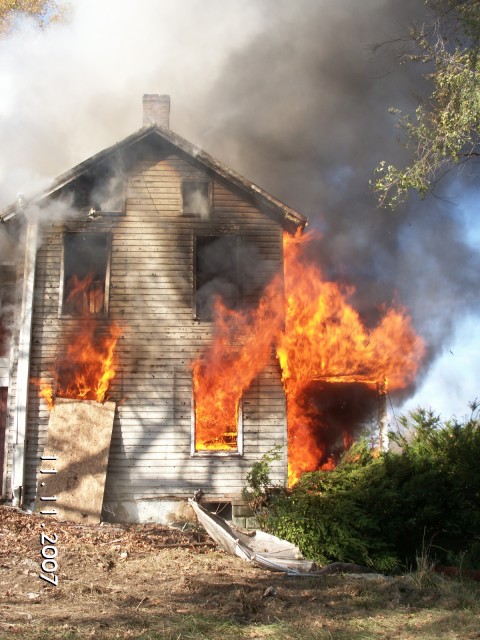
(287, 217)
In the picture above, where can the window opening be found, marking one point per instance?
(196, 197)
(223, 509)
(216, 273)
(85, 277)
(217, 425)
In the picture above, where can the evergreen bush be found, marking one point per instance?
(384, 510)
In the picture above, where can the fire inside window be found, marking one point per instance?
(85, 277)
(196, 197)
(216, 273)
(217, 429)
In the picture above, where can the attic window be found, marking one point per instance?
(85, 274)
(196, 197)
(216, 273)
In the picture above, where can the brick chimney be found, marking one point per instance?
(156, 110)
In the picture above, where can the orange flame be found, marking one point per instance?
(323, 341)
(326, 341)
(87, 367)
(46, 392)
(240, 350)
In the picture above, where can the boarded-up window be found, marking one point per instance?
(216, 273)
(85, 274)
(196, 197)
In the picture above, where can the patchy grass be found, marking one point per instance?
(121, 584)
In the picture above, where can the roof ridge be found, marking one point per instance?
(253, 190)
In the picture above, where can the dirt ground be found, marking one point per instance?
(151, 581)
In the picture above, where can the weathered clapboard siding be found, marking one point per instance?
(10, 375)
(151, 297)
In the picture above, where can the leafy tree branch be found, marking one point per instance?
(444, 131)
(42, 11)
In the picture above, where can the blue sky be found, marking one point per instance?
(453, 379)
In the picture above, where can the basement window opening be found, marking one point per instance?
(197, 197)
(85, 277)
(216, 431)
(216, 277)
(223, 509)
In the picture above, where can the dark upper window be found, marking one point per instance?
(216, 273)
(85, 274)
(101, 193)
(196, 197)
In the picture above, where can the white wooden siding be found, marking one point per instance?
(151, 297)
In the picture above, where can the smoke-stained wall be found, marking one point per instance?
(151, 298)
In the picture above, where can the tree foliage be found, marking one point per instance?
(384, 510)
(42, 11)
(444, 131)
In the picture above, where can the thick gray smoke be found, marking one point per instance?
(288, 93)
(306, 106)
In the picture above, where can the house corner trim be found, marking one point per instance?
(23, 365)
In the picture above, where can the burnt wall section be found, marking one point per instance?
(151, 296)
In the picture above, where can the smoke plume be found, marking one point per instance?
(290, 94)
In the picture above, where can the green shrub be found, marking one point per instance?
(382, 510)
(259, 488)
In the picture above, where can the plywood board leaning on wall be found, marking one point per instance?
(78, 441)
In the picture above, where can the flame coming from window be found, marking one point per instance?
(87, 366)
(240, 350)
(320, 339)
(325, 341)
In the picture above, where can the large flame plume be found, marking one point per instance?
(240, 350)
(320, 340)
(87, 365)
(325, 341)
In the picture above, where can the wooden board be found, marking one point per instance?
(78, 440)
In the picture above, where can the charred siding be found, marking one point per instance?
(151, 297)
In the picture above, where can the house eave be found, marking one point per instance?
(288, 217)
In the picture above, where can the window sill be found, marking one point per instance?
(216, 454)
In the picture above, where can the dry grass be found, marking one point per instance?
(118, 583)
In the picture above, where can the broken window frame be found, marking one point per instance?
(201, 183)
(62, 312)
(90, 196)
(197, 315)
(95, 209)
(222, 453)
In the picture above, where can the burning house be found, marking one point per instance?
(156, 336)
